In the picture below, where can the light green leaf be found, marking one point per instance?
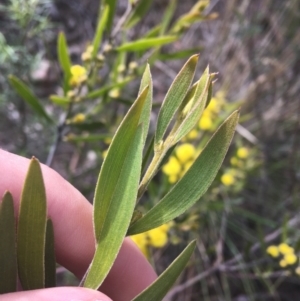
(112, 8)
(64, 59)
(50, 262)
(193, 107)
(102, 22)
(8, 257)
(25, 93)
(194, 183)
(168, 15)
(143, 44)
(137, 13)
(160, 287)
(175, 96)
(31, 233)
(116, 192)
(60, 100)
(145, 116)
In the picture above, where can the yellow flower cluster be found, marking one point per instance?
(78, 118)
(285, 253)
(178, 164)
(87, 55)
(156, 238)
(229, 178)
(78, 75)
(206, 121)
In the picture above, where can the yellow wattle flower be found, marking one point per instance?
(172, 167)
(205, 123)
(78, 75)
(185, 152)
(285, 249)
(290, 258)
(273, 251)
(228, 179)
(243, 152)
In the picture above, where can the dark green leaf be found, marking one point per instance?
(194, 183)
(116, 192)
(112, 8)
(50, 262)
(160, 287)
(8, 257)
(31, 233)
(146, 43)
(29, 97)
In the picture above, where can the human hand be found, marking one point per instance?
(71, 214)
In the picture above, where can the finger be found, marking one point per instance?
(71, 214)
(57, 294)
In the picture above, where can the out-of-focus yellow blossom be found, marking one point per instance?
(104, 153)
(290, 258)
(234, 161)
(185, 152)
(186, 167)
(121, 68)
(78, 75)
(172, 168)
(273, 251)
(86, 56)
(173, 179)
(114, 93)
(71, 94)
(243, 152)
(193, 134)
(285, 249)
(297, 271)
(282, 263)
(205, 123)
(157, 238)
(141, 241)
(107, 140)
(78, 118)
(214, 105)
(227, 179)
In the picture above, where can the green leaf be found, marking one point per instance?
(194, 183)
(8, 257)
(63, 55)
(160, 287)
(60, 100)
(145, 116)
(29, 97)
(50, 262)
(137, 13)
(110, 18)
(31, 232)
(102, 22)
(146, 43)
(175, 96)
(64, 59)
(168, 15)
(116, 192)
(193, 107)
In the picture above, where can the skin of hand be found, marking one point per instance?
(71, 214)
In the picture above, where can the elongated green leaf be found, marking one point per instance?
(168, 15)
(31, 232)
(60, 100)
(64, 60)
(138, 12)
(160, 287)
(194, 183)
(110, 18)
(102, 22)
(175, 96)
(50, 262)
(197, 104)
(8, 256)
(116, 192)
(145, 116)
(29, 97)
(63, 55)
(143, 44)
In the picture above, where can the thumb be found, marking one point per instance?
(57, 294)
